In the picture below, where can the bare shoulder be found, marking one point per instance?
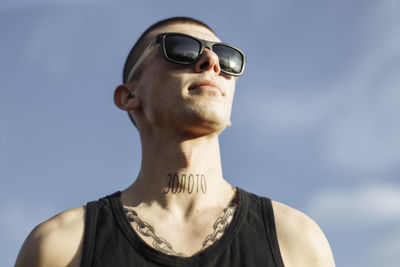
(55, 242)
(301, 241)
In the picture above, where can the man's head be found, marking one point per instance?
(144, 40)
(162, 94)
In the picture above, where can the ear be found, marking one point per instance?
(125, 97)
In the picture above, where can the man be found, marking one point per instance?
(179, 82)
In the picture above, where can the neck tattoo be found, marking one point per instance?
(186, 183)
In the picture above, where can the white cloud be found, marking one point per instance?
(368, 204)
(285, 113)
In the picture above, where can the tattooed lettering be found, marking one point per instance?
(181, 183)
(190, 184)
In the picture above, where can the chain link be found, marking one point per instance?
(220, 226)
(147, 230)
(159, 243)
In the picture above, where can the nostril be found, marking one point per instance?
(204, 65)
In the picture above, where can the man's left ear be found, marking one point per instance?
(125, 97)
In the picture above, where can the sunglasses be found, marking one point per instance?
(185, 49)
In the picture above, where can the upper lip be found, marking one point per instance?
(205, 83)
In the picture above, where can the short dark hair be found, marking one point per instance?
(142, 42)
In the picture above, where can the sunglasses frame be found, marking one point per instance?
(160, 38)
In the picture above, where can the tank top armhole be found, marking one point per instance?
(89, 234)
(270, 228)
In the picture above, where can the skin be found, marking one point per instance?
(180, 113)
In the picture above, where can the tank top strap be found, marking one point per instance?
(91, 211)
(270, 228)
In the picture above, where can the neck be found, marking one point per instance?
(180, 174)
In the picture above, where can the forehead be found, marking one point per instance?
(187, 28)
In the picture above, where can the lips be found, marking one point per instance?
(205, 85)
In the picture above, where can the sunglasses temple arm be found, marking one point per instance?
(140, 61)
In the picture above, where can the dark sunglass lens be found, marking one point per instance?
(181, 48)
(230, 60)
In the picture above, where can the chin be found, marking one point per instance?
(202, 126)
(199, 131)
(204, 118)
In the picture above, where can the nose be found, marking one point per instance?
(208, 61)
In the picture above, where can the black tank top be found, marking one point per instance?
(250, 240)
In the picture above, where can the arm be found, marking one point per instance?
(56, 242)
(301, 241)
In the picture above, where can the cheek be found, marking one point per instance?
(159, 97)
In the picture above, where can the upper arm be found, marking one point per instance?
(301, 241)
(56, 242)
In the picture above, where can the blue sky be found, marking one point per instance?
(315, 122)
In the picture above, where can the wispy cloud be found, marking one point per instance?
(355, 118)
(363, 205)
(365, 135)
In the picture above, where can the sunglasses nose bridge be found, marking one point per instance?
(208, 60)
(207, 44)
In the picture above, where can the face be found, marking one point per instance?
(189, 99)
